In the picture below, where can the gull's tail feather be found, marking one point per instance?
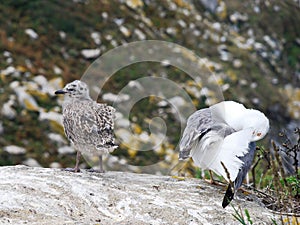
(228, 196)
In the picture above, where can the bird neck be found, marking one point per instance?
(71, 99)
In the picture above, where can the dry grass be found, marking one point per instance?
(282, 194)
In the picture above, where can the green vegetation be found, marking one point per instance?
(238, 215)
(278, 191)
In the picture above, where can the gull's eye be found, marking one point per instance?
(70, 89)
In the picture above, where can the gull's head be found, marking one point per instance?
(258, 122)
(76, 89)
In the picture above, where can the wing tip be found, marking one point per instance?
(228, 196)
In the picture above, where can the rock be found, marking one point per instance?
(96, 37)
(57, 70)
(162, 103)
(90, 53)
(182, 23)
(135, 84)
(14, 150)
(55, 165)
(7, 54)
(24, 98)
(236, 17)
(57, 138)
(225, 55)
(256, 9)
(276, 8)
(52, 116)
(237, 63)
(104, 15)
(270, 42)
(51, 196)
(31, 162)
(177, 101)
(134, 4)
(140, 34)
(119, 21)
(210, 5)
(31, 33)
(110, 97)
(125, 31)
(221, 10)
(62, 35)
(65, 150)
(122, 122)
(7, 108)
(9, 70)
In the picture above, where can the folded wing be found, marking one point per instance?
(198, 124)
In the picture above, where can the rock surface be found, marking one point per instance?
(51, 196)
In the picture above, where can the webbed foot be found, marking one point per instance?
(96, 171)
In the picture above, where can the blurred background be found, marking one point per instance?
(253, 47)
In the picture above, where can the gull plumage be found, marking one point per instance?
(87, 124)
(224, 133)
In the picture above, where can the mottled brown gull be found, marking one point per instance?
(222, 138)
(88, 125)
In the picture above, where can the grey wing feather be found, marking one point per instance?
(247, 159)
(247, 162)
(198, 124)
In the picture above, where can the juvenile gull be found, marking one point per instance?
(224, 133)
(87, 124)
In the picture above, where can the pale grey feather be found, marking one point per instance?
(198, 124)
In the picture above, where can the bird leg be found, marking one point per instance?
(76, 168)
(244, 190)
(101, 170)
(212, 181)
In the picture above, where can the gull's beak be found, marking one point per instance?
(60, 92)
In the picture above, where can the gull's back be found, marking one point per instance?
(198, 124)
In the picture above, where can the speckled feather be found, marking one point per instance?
(88, 125)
